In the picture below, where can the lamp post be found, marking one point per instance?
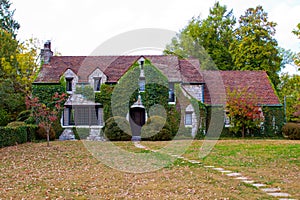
(284, 106)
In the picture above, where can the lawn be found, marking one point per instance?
(77, 170)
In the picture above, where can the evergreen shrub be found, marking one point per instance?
(113, 132)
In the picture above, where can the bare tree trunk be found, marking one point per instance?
(243, 132)
(48, 136)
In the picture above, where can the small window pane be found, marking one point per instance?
(142, 84)
(188, 118)
(97, 84)
(69, 84)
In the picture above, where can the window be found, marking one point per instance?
(171, 93)
(69, 84)
(226, 119)
(83, 116)
(188, 118)
(142, 84)
(97, 83)
(71, 116)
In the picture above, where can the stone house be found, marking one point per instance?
(207, 87)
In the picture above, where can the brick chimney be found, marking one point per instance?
(46, 53)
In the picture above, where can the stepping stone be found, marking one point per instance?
(194, 161)
(209, 166)
(286, 199)
(259, 185)
(279, 194)
(226, 171)
(241, 178)
(137, 145)
(270, 189)
(248, 181)
(174, 155)
(234, 174)
(219, 169)
(180, 157)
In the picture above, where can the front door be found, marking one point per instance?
(137, 120)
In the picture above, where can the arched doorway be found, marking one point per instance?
(137, 118)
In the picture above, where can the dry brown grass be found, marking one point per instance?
(67, 170)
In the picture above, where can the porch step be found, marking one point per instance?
(95, 135)
(67, 134)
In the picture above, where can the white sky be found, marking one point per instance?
(77, 27)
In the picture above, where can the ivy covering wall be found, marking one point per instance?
(271, 128)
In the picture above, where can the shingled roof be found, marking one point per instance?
(114, 67)
(217, 83)
(254, 82)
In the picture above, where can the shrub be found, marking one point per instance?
(291, 131)
(31, 132)
(41, 134)
(12, 135)
(57, 128)
(156, 129)
(4, 118)
(24, 115)
(16, 124)
(113, 131)
(30, 129)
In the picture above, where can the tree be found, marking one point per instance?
(11, 102)
(46, 115)
(18, 64)
(254, 47)
(243, 111)
(24, 66)
(297, 57)
(207, 39)
(289, 92)
(7, 51)
(297, 113)
(287, 57)
(6, 18)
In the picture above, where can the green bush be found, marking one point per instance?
(291, 131)
(16, 124)
(24, 115)
(57, 128)
(4, 118)
(31, 132)
(10, 136)
(113, 132)
(156, 129)
(30, 129)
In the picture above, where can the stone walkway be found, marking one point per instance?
(275, 192)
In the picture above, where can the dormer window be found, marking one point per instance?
(69, 84)
(97, 83)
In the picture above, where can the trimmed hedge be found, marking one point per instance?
(156, 129)
(291, 131)
(10, 136)
(113, 132)
(30, 129)
(13, 134)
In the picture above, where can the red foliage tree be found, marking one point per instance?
(243, 110)
(46, 115)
